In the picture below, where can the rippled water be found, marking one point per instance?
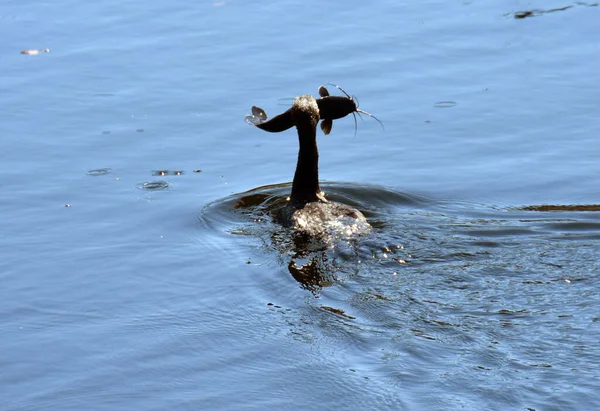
(141, 266)
(445, 305)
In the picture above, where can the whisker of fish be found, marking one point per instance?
(357, 103)
(372, 116)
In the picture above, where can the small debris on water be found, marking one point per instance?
(523, 14)
(338, 312)
(167, 172)
(34, 52)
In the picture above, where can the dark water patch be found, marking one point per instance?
(373, 196)
(498, 232)
(558, 207)
(154, 185)
(445, 104)
(568, 226)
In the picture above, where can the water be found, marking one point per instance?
(141, 269)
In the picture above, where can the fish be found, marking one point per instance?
(330, 108)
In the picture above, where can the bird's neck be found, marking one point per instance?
(305, 188)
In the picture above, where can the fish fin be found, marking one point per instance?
(257, 117)
(326, 126)
(259, 112)
(323, 92)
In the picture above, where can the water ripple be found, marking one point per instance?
(495, 292)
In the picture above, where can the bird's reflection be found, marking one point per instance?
(315, 262)
(309, 265)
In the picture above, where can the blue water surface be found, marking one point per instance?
(141, 271)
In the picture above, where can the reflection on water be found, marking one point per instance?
(314, 262)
